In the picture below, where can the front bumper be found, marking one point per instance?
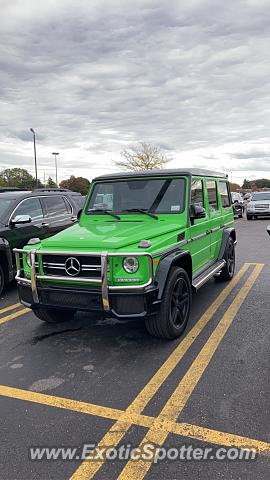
(124, 301)
(256, 213)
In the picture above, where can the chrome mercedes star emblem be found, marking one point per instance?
(72, 266)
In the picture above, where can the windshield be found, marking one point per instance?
(148, 195)
(260, 196)
(4, 205)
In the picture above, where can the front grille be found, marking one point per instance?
(263, 206)
(56, 265)
(76, 300)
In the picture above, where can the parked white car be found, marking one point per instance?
(259, 205)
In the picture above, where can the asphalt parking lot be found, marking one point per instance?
(109, 383)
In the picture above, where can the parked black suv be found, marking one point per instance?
(24, 215)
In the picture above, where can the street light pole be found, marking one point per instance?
(35, 153)
(55, 159)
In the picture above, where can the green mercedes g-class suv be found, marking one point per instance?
(143, 243)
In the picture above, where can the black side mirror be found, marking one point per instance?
(268, 229)
(197, 211)
(79, 213)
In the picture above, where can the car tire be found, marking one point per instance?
(241, 215)
(174, 312)
(249, 217)
(227, 271)
(53, 315)
(2, 279)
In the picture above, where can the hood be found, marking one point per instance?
(110, 235)
(259, 202)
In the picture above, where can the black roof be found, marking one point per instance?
(13, 194)
(200, 172)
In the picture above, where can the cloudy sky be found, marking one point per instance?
(93, 77)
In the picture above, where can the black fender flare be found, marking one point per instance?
(6, 252)
(227, 232)
(176, 258)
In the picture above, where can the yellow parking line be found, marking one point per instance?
(174, 406)
(73, 405)
(14, 315)
(182, 429)
(60, 402)
(87, 469)
(10, 307)
(219, 438)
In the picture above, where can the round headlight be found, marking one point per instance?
(130, 264)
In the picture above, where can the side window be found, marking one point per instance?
(69, 208)
(55, 205)
(212, 195)
(79, 200)
(197, 193)
(31, 207)
(223, 190)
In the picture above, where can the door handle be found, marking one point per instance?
(44, 225)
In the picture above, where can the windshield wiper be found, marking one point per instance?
(142, 210)
(107, 212)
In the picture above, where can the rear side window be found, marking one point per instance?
(197, 193)
(79, 200)
(69, 209)
(55, 205)
(223, 190)
(31, 207)
(212, 195)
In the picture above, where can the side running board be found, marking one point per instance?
(207, 274)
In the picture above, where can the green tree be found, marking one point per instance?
(143, 156)
(76, 184)
(259, 183)
(50, 183)
(262, 183)
(17, 177)
(246, 184)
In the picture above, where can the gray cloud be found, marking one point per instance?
(94, 77)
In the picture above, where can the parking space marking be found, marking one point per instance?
(182, 429)
(158, 434)
(60, 402)
(219, 438)
(87, 469)
(14, 315)
(10, 307)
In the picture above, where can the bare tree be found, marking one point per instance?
(143, 156)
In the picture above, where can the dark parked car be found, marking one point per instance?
(25, 214)
(238, 204)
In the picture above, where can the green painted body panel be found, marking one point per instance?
(100, 232)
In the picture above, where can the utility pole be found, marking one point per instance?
(35, 153)
(55, 159)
